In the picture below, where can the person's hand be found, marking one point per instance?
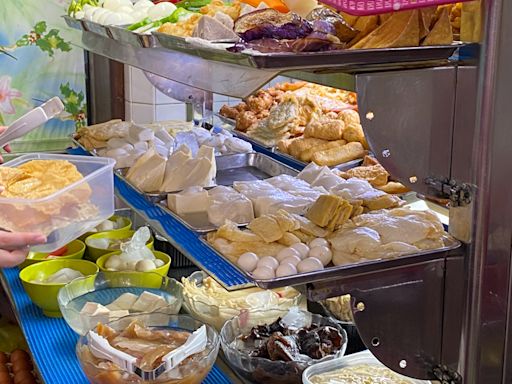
(7, 147)
(14, 247)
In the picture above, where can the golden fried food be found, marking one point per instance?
(383, 202)
(441, 33)
(260, 102)
(183, 28)
(365, 25)
(339, 155)
(246, 120)
(303, 144)
(284, 145)
(400, 30)
(267, 228)
(307, 155)
(393, 188)
(349, 116)
(229, 112)
(354, 132)
(325, 128)
(376, 175)
(232, 10)
(330, 211)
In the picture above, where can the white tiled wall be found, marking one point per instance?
(145, 104)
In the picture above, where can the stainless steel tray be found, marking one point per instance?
(73, 23)
(96, 28)
(123, 35)
(249, 167)
(338, 272)
(195, 222)
(310, 60)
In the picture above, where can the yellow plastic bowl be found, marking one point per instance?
(45, 295)
(76, 250)
(94, 254)
(162, 271)
(127, 224)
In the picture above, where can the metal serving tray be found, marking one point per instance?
(249, 167)
(96, 28)
(309, 60)
(155, 197)
(123, 35)
(197, 222)
(73, 23)
(338, 272)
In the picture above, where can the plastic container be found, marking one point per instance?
(375, 7)
(209, 312)
(365, 357)
(107, 287)
(191, 371)
(45, 295)
(94, 253)
(68, 213)
(162, 271)
(260, 370)
(75, 250)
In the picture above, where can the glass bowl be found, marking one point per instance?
(215, 305)
(193, 370)
(107, 287)
(263, 370)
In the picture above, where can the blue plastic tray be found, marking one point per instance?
(52, 342)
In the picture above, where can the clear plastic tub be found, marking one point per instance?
(365, 357)
(68, 213)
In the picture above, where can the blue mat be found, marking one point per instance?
(52, 342)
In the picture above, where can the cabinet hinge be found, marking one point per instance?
(446, 375)
(460, 194)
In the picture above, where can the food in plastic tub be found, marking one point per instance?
(208, 301)
(85, 302)
(73, 250)
(340, 308)
(59, 195)
(281, 348)
(132, 333)
(361, 367)
(44, 294)
(101, 243)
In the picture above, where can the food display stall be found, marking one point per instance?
(303, 195)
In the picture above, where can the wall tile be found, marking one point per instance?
(170, 112)
(142, 91)
(143, 113)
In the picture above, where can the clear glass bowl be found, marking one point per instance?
(193, 370)
(216, 315)
(107, 287)
(262, 370)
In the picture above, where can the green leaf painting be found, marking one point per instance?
(38, 61)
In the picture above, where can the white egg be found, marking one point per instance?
(248, 261)
(309, 265)
(98, 243)
(124, 9)
(268, 261)
(104, 17)
(138, 16)
(324, 254)
(161, 10)
(143, 4)
(263, 273)
(286, 270)
(114, 263)
(287, 252)
(145, 266)
(97, 13)
(131, 265)
(112, 19)
(302, 248)
(125, 3)
(293, 260)
(318, 242)
(111, 4)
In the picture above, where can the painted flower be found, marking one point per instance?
(6, 95)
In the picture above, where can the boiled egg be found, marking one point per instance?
(286, 269)
(248, 261)
(293, 260)
(310, 265)
(318, 242)
(302, 248)
(287, 252)
(268, 261)
(322, 253)
(263, 273)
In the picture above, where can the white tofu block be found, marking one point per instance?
(115, 315)
(92, 314)
(125, 161)
(116, 142)
(93, 309)
(140, 146)
(117, 152)
(139, 133)
(125, 301)
(157, 141)
(162, 151)
(188, 202)
(147, 302)
(164, 136)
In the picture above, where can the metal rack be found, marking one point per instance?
(424, 318)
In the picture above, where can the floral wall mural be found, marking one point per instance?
(38, 60)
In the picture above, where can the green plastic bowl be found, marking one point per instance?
(93, 254)
(127, 225)
(162, 271)
(76, 250)
(45, 295)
